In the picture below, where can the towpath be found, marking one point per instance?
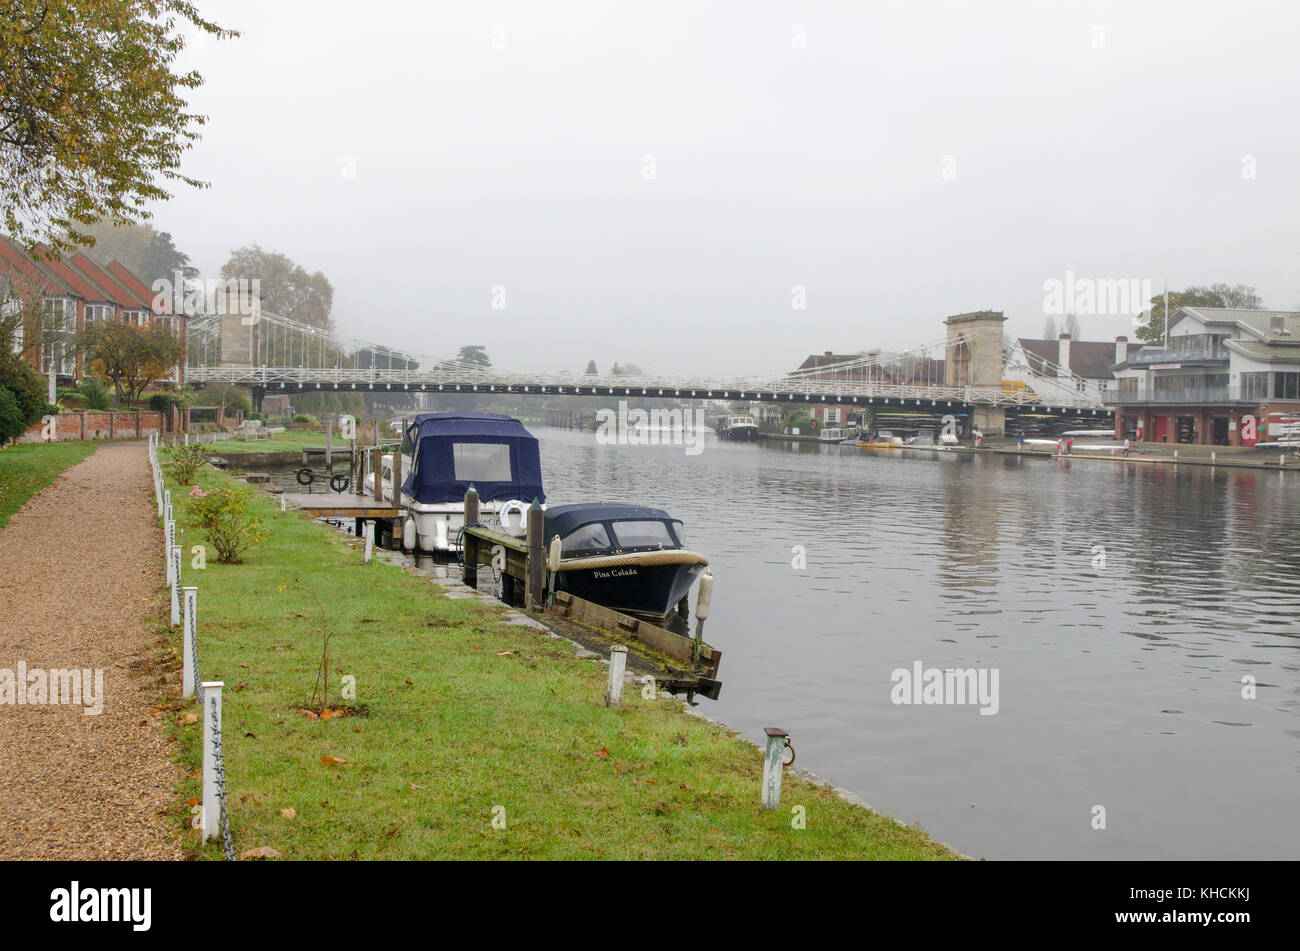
(80, 582)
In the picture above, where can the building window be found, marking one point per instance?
(1254, 386)
(96, 312)
(1128, 388)
(58, 335)
(832, 415)
(1286, 386)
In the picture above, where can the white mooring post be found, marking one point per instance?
(191, 612)
(211, 737)
(176, 584)
(774, 765)
(169, 542)
(370, 540)
(617, 664)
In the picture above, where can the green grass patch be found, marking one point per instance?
(290, 441)
(460, 718)
(26, 469)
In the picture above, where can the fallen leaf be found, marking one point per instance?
(331, 761)
(310, 713)
(192, 801)
(289, 813)
(410, 682)
(414, 786)
(261, 852)
(165, 706)
(602, 753)
(504, 653)
(188, 718)
(239, 687)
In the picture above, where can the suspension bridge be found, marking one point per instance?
(272, 354)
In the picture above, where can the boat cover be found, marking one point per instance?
(563, 519)
(435, 436)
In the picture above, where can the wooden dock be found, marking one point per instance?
(344, 505)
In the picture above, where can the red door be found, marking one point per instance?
(1161, 424)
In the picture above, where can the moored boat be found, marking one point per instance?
(442, 455)
(630, 558)
(738, 429)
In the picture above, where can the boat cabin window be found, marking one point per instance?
(643, 534)
(481, 461)
(587, 538)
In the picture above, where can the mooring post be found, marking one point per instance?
(370, 540)
(617, 664)
(211, 818)
(774, 765)
(533, 592)
(469, 544)
(176, 584)
(397, 477)
(187, 642)
(168, 564)
(329, 443)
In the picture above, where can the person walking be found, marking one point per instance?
(979, 437)
(1020, 443)
(1126, 445)
(1069, 446)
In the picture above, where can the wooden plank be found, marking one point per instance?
(508, 542)
(657, 638)
(535, 591)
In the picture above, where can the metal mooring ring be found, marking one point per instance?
(790, 747)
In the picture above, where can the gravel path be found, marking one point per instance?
(81, 576)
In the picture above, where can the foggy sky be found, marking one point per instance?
(1105, 138)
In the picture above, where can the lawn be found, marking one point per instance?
(459, 719)
(291, 441)
(26, 469)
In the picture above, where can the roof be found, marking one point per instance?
(818, 360)
(138, 288)
(1091, 359)
(563, 519)
(123, 294)
(36, 276)
(84, 288)
(1262, 342)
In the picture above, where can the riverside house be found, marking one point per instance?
(77, 293)
(1221, 374)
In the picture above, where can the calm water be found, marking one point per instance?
(1118, 686)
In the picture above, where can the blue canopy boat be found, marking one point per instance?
(630, 558)
(443, 454)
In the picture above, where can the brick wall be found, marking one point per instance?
(89, 424)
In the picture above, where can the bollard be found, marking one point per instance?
(191, 612)
(1213, 457)
(282, 504)
(617, 664)
(469, 544)
(370, 540)
(211, 741)
(176, 584)
(774, 765)
(168, 564)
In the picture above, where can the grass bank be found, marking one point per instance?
(26, 469)
(460, 718)
(290, 441)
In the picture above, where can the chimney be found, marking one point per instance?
(1063, 352)
(1121, 349)
(830, 353)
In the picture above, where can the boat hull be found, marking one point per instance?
(650, 591)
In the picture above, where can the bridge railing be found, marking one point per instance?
(802, 390)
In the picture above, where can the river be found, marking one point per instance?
(1120, 680)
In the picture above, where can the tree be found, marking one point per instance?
(146, 252)
(475, 355)
(591, 368)
(1216, 295)
(93, 119)
(132, 357)
(286, 287)
(22, 396)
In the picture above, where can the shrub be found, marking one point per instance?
(187, 460)
(28, 393)
(302, 418)
(163, 402)
(94, 394)
(222, 515)
(12, 421)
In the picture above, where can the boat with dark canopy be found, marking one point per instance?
(443, 454)
(630, 558)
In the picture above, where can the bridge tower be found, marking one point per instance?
(973, 357)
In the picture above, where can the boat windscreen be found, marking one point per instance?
(643, 534)
(481, 461)
(591, 537)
